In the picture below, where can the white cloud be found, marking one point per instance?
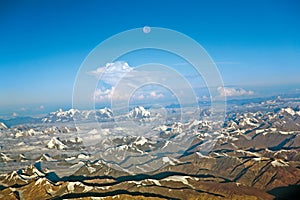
(155, 95)
(107, 94)
(231, 91)
(112, 72)
(148, 95)
(104, 94)
(139, 97)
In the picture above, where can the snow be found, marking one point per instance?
(87, 188)
(13, 176)
(70, 159)
(71, 186)
(286, 132)
(94, 131)
(257, 159)
(76, 140)
(2, 126)
(56, 143)
(36, 171)
(249, 152)
(279, 163)
(122, 147)
(206, 135)
(41, 180)
(161, 128)
(140, 168)
(82, 156)
(61, 115)
(167, 160)
(46, 158)
(18, 134)
(105, 112)
(259, 131)
(20, 144)
(234, 145)
(78, 165)
(182, 179)
(265, 133)
(289, 110)
(166, 144)
(91, 169)
(201, 155)
(98, 198)
(156, 182)
(72, 112)
(233, 138)
(220, 136)
(140, 141)
(22, 156)
(249, 122)
(193, 124)
(144, 182)
(139, 112)
(273, 129)
(105, 131)
(5, 158)
(283, 151)
(31, 132)
(104, 187)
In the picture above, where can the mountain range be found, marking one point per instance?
(254, 155)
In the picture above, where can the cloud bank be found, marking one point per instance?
(111, 73)
(231, 92)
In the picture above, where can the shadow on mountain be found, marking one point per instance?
(116, 192)
(286, 192)
(137, 177)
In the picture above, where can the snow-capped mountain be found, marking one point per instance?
(255, 152)
(2, 126)
(139, 113)
(74, 114)
(289, 111)
(55, 143)
(44, 157)
(62, 116)
(104, 113)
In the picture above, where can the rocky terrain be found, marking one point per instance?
(255, 155)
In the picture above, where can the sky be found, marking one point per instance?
(43, 43)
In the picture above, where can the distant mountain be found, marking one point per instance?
(2, 126)
(20, 120)
(139, 113)
(55, 143)
(104, 114)
(255, 154)
(61, 116)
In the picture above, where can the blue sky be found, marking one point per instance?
(43, 43)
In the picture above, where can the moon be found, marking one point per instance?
(146, 29)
